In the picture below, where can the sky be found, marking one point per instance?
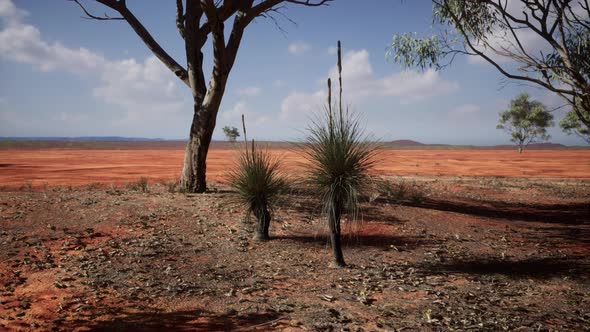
(63, 75)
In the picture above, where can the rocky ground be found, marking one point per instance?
(430, 254)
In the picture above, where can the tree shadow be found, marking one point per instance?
(384, 241)
(564, 235)
(536, 268)
(188, 320)
(571, 214)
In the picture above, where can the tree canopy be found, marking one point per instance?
(526, 121)
(540, 42)
(232, 133)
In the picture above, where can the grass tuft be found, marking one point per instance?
(140, 185)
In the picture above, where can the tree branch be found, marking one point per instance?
(94, 17)
(180, 19)
(121, 7)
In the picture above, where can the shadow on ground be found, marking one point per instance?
(191, 320)
(384, 241)
(571, 214)
(534, 268)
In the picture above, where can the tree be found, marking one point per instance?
(339, 160)
(196, 21)
(499, 30)
(571, 124)
(231, 133)
(526, 121)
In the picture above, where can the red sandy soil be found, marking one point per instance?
(499, 243)
(56, 167)
(432, 253)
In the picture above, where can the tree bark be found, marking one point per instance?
(193, 177)
(335, 238)
(263, 224)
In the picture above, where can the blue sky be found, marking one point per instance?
(61, 75)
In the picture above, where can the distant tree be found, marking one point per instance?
(540, 42)
(571, 124)
(231, 133)
(526, 121)
(223, 22)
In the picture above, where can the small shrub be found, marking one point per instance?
(140, 185)
(400, 191)
(171, 186)
(27, 186)
(258, 182)
(93, 186)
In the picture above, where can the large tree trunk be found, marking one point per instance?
(193, 177)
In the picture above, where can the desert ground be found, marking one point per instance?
(118, 163)
(453, 240)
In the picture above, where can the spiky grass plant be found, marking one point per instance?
(340, 158)
(257, 180)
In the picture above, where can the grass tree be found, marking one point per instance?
(526, 121)
(257, 180)
(339, 159)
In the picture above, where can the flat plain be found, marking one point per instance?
(117, 164)
(484, 240)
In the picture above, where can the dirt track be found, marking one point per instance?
(56, 167)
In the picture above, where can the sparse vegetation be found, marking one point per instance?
(140, 185)
(400, 191)
(340, 158)
(171, 186)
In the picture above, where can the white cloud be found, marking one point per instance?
(137, 87)
(332, 50)
(409, 86)
(299, 47)
(360, 82)
(466, 109)
(23, 43)
(234, 115)
(252, 91)
(146, 87)
(300, 106)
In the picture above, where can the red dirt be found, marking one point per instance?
(79, 167)
(432, 252)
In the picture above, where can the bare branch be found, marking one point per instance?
(94, 17)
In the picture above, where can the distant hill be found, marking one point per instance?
(533, 146)
(122, 143)
(405, 142)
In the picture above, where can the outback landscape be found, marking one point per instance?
(310, 216)
(88, 246)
